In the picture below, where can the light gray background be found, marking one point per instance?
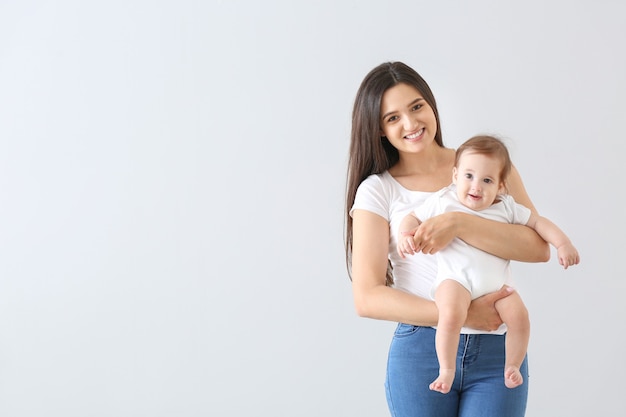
(171, 197)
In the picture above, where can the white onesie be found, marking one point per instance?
(478, 271)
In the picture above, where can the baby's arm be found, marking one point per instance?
(408, 226)
(550, 232)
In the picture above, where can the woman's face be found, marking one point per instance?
(406, 119)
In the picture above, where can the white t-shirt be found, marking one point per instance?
(383, 195)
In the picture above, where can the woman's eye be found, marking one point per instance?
(392, 119)
(417, 107)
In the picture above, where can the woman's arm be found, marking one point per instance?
(508, 241)
(373, 299)
(515, 242)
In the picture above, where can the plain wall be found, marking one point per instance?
(172, 178)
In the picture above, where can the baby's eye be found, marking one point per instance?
(469, 176)
(488, 180)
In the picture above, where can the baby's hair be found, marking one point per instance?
(491, 146)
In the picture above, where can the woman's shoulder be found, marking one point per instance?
(374, 194)
(379, 185)
(377, 180)
(385, 184)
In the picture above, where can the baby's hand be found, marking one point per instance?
(568, 255)
(406, 243)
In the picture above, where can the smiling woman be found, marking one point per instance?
(387, 177)
(412, 128)
(410, 123)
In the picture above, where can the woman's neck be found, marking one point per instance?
(428, 162)
(429, 170)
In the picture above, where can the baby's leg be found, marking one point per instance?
(514, 314)
(452, 300)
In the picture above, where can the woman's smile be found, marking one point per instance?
(415, 135)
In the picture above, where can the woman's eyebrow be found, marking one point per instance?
(417, 100)
(384, 116)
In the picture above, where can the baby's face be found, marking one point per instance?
(477, 180)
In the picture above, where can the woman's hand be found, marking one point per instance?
(436, 233)
(482, 314)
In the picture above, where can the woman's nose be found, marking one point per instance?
(409, 124)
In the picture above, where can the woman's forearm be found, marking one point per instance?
(508, 241)
(372, 298)
(386, 303)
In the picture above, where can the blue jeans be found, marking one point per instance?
(478, 389)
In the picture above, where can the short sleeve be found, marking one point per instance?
(371, 196)
(519, 214)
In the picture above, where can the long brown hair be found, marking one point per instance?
(369, 152)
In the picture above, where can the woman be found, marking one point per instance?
(397, 159)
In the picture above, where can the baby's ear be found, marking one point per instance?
(502, 189)
(454, 174)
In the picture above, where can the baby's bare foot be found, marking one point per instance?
(443, 383)
(513, 377)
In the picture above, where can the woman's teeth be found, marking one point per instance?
(415, 135)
